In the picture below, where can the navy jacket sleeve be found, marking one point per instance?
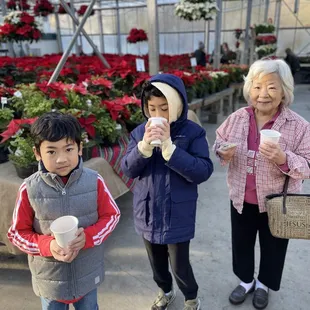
(133, 163)
(194, 164)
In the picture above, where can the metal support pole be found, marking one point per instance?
(245, 59)
(9, 44)
(77, 50)
(277, 17)
(90, 41)
(218, 30)
(296, 6)
(266, 11)
(208, 37)
(58, 35)
(101, 40)
(118, 30)
(75, 36)
(153, 36)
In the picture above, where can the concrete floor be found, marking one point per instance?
(129, 285)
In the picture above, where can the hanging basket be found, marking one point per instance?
(194, 10)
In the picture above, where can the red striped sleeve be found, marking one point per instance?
(21, 232)
(108, 214)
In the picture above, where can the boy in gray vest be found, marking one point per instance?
(63, 187)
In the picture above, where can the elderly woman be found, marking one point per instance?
(256, 170)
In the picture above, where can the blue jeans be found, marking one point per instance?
(88, 302)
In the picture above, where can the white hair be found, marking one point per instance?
(261, 68)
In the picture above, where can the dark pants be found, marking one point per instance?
(178, 255)
(272, 250)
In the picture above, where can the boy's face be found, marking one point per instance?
(158, 107)
(59, 157)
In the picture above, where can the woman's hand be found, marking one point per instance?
(273, 152)
(227, 154)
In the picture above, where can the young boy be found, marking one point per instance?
(63, 187)
(165, 195)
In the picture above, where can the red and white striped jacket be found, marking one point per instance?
(22, 235)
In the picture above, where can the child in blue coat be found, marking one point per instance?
(165, 195)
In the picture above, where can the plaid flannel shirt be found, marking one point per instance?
(294, 141)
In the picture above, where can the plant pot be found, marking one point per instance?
(3, 154)
(25, 172)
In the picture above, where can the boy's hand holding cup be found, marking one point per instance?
(65, 231)
(269, 146)
(160, 130)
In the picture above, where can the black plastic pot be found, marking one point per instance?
(25, 172)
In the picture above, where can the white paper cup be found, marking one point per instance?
(64, 229)
(269, 135)
(156, 121)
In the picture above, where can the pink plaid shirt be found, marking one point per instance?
(294, 141)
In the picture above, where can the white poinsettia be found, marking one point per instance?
(216, 74)
(193, 10)
(268, 48)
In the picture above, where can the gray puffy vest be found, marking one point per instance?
(50, 199)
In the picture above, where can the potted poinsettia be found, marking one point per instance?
(20, 142)
(22, 156)
(136, 35)
(19, 26)
(6, 115)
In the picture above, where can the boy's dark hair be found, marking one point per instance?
(55, 126)
(150, 91)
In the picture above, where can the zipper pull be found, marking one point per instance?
(63, 192)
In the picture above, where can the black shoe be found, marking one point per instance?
(239, 294)
(260, 299)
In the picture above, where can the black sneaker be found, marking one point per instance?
(163, 300)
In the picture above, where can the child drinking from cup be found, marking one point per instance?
(62, 186)
(165, 194)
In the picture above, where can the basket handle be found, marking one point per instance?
(285, 188)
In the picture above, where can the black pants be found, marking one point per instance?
(178, 255)
(272, 250)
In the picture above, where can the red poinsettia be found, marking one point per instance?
(262, 40)
(87, 124)
(14, 126)
(43, 8)
(19, 26)
(54, 90)
(83, 9)
(136, 35)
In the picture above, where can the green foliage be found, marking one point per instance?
(136, 115)
(6, 115)
(106, 127)
(33, 102)
(23, 155)
(264, 28)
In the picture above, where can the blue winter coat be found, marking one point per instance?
(165, 194)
